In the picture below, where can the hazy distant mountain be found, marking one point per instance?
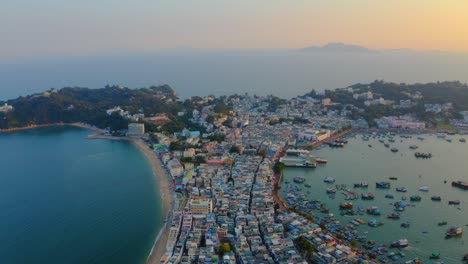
(337, 47)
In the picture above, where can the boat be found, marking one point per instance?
(382, 185)
(401, 189)
(436, 198)
(346, 205)
(405, 224)
(321, 161)
(299, 179)
(307, 185)
(394, 216)
(442, 223)
(389, 196)
(387, 145)
(454, 231)
(373, 210)
(415, 198)
(402, 243)
(462, 140)
(460, 184)
(361, 185)
(424, 189)
(393, 178)
(374, 223)
(331, 190)
(367, 196)
(454, 202)
(370, 146)
(394, 149)
(423, 155)
(413, 147)
(329, 180)
(435, 255)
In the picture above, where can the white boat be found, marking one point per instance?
(424, 189)
(329, 180)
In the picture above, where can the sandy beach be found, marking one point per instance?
(167, 197)
(165, 188)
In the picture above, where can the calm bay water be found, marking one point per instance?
(357, 162)
(66, 199)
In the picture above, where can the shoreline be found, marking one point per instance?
(167, 196)
(30, 127)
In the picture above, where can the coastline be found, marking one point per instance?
(167, 196)
(30, 127)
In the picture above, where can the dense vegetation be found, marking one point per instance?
(90, 105)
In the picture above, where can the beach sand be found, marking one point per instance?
(167, 198)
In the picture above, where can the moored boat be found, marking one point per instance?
(299, 179)
(454, 202)
(424, 189)
(307, 185)
(394, 216)
(394, 149)
(415, 198)
(402, 243)
(454, 231)
(382, 185)
(460, 184)
(331, 190)
(361, 185)
(393, 178)
(462, 140)
(442, 223)
(436, 198)
(329, 180)
(413, 147)
(367, 196)
(346, 205)
(321, 161)
(401, 189)
(435, 255)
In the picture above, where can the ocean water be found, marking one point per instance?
(284, 73)
(66, 199)
(357, 162)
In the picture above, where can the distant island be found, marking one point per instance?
(337, 47)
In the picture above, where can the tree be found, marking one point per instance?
(263, 152)
(234, 149)
(354, 244)
(224, 248)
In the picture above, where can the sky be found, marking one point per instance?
(30, 28)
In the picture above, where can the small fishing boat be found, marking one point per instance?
(454, 231)
(346, 205)
(329, 180)
(413, 147)
(454, 202)
(307, 185)
(462, 140)
(442, 223)
(331, 190)
(389, 196)
(424, 189)
(320, 160)
(393, 178)
(436, 198)
(435, 255)
(382, 185)
(401, 189)
(402, 243)
(405, 224)
(394, 150)
(415, 198)
(367, 196)
(361, 185)
(394, 216)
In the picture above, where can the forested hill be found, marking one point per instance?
(88, 105)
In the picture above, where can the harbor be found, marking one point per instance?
(399, 198)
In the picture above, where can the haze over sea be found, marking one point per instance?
(284, 73)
